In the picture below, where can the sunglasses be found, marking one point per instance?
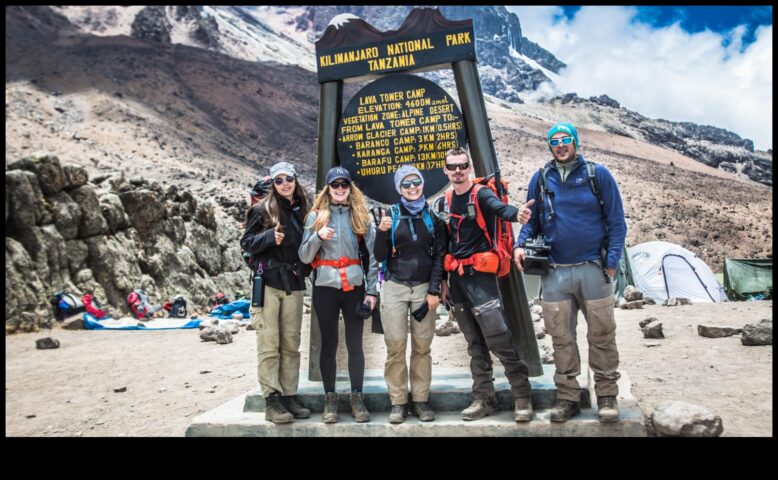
(280, 180)
(554, 142)
(453, 167)
(337, 185)
(415, 182)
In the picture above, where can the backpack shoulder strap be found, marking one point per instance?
(479, 216)
(395, 212)
(425, 215)
(593, 184)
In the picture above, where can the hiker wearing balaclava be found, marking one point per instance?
(411, 245)
(578, 210)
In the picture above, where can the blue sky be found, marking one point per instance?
(710, 65)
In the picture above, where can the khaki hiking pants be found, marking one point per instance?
(278, 326)
(397, 301)
(565, 290)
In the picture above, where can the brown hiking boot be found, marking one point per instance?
(330, 414)
(294, 407)
(564, 410)
(423, 411)
(480, 408)
(398, 414)
(608, 409)
(275, 410)
(522, 411)
(358, 409)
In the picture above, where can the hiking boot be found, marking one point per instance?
(423, 411)
(398, 414)
(358, 409)
(297, 410)
(522, 411)
(608, 409)
(275, 410)
(564, 409)
(330, 414)
(480, 408)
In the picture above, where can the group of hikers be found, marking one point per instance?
(430, 254)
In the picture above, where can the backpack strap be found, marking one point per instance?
(594, 185)
(479, 216)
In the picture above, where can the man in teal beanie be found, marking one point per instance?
(578, 210)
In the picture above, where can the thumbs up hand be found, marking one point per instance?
(279, 234)
(386, 221)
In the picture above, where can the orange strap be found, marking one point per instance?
(487, 262)
(341, 265)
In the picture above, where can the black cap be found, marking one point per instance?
(262, 187)
(335, 173)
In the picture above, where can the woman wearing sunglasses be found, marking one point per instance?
(336, 230)
(273, 235)
(412, 245)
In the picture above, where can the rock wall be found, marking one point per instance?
(108, 236)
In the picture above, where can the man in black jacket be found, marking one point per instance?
(472, 266)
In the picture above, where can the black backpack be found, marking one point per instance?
(178, 309)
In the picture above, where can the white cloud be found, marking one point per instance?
(661, 72)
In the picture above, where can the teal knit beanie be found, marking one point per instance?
(566, 128)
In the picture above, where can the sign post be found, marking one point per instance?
(401, 119)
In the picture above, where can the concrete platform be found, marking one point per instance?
(229, 420)
(451, 390)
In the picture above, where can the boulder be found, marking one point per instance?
(143, 208)
(653, 330)
(25, 202)
(49, 254)
(112, 209)
(24, 291)
(76, 251)
(632, 293)
(114, 261)
(205, 215)
(444, 328)
(46, 343)
(46, 168)
(66, 214)
(633, 305)
(681, 419)
(218, 334)
(759, 334)
(645, 322)
(92, 221)
(75, 176)
(710, 331)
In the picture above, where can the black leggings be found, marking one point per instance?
(328, 303)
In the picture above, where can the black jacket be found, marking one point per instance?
(417, 261)
(281, 264)
(466, 238)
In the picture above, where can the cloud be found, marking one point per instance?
(706, 77)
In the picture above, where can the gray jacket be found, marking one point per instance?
(344, 244)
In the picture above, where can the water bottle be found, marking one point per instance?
(258, 289)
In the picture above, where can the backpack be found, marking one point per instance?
(501, 240)
(178, 308)
(396, 217)
(66, 304)
(93, 307)
(139, 303)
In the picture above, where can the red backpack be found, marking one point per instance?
(502, 239)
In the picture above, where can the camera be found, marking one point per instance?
(536, 261)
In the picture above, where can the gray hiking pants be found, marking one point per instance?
(565, 290)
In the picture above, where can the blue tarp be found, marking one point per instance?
(108, 323)
(224, 312)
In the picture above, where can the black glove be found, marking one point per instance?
(421, 312)
(363, 310)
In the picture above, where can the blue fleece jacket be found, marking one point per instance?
(577, 227)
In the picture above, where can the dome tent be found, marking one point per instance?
(664, 270)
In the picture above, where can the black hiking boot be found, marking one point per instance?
(358, 409)
(480, 408)
(275, 410)
(564, 410)
(608, 409)
(297, 410)
(330, 414)
(398, 414)
(423, 411)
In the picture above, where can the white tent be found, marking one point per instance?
(663, 270)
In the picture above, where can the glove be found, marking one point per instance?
(421, 312)
(363, 311)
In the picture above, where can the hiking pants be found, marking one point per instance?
(330, 303)
(397, 300)
(565, 290)
(478, 311)
(278, 325)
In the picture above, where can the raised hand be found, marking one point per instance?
(326, 233)
(279, 234)
(524, 212)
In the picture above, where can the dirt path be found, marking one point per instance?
(70, 391)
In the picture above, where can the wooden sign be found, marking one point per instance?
(351, 48)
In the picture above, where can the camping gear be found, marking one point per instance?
(748, 278)
(225, 312)
(664, 270)
(92, 306)
(108, 323)
(66, 304)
